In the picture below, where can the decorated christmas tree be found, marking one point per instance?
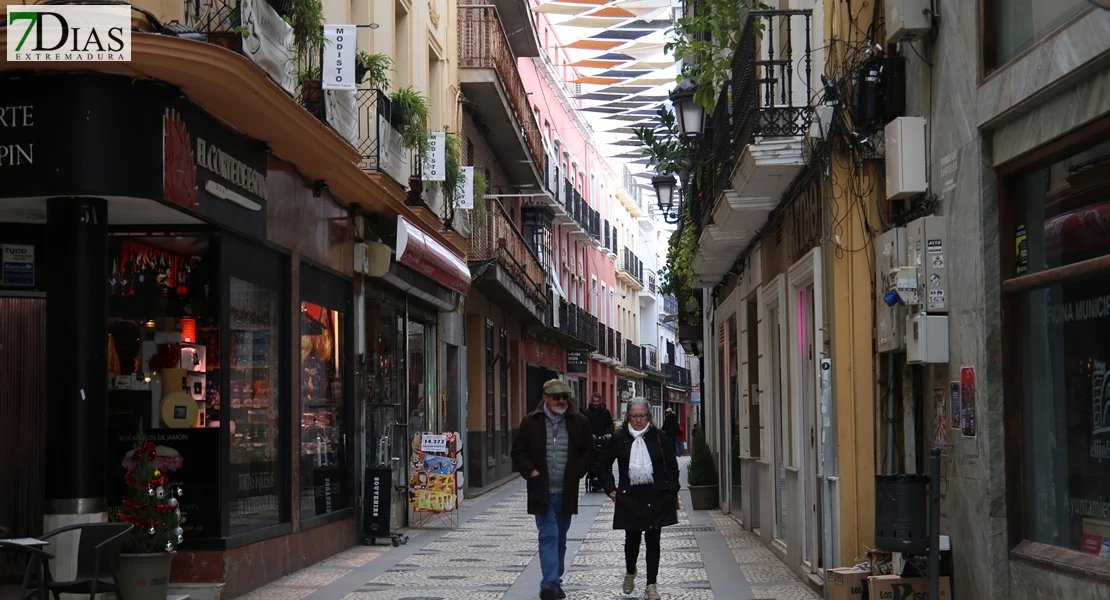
(150, 501)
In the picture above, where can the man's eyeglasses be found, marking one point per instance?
(560, 397)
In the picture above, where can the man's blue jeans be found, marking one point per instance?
(553, 526)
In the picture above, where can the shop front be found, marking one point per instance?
(198, 293)
(414, 357)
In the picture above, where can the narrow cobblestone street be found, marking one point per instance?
(492, 556)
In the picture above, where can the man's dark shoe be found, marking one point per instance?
(560, 594)
(547, 593)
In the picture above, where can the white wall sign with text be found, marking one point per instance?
(339, 58)
(435, 168)
(466, 197)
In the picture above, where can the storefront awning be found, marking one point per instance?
(423, 254)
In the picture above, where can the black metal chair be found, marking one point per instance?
(33, 584)
(98, 552)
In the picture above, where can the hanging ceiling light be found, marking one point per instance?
(689, 114)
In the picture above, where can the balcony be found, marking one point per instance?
(490, 81)
(755, 139)
(631, 270)
(515, 279)
(568, 325)
(611, 343)
(670, 307)
(677, 376)
(573, 209)
(631, 195)
(651, 286)
(649, 358)
(617, 346)
(632, 356)
(379, 138)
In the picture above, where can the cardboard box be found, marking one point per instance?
(846, 583)
(881, 562)
(893, 587)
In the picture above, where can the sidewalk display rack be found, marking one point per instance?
(433, 481)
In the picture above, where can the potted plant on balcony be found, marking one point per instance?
(480, 185)
(412, 109)
(306, 17)
(375, 67)
(702, 474)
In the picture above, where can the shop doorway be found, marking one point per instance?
(535, 376)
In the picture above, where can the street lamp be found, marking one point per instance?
(664, 184)
(689, 114)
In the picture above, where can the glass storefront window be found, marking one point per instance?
(1062, 360)
(323, 472)
(1021, 23)
(253, 405)
(418, 389)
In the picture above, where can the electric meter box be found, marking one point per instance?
(907, 20)
(890, 321)
(905, 158)
(927, 252)
(927, 339)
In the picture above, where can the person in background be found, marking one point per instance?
(553, 450)
(601, 420)
(673, 429)
(647, 496)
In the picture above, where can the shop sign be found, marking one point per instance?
(76, 33)
(341, 112)
(392, 156)
(338, 72)
(19, 265)
(466, 196)
(577, 361)
(435, 167)
(430, 258)
(269, 42)
(377, 499)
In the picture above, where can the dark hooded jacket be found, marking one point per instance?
(530, 453)
(642, 507)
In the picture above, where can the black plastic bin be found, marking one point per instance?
(901, 513)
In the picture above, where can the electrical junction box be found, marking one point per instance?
(890, 321)
(927, 339)
(927, 252)
(905, 158)
(907, 20)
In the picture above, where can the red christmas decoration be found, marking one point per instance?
(167, 356)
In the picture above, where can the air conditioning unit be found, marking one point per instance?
(907, 20)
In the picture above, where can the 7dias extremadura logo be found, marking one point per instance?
(69, 33)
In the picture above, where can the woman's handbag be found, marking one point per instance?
(665, 471)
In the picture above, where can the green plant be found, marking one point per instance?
(414, 120)
(453, 177)
(664, 150)
(480, 185)
(242, 30)
(678, 278)
(307, 73)
(375, 67)
(706, 39)
(703, 470)
(307, 19)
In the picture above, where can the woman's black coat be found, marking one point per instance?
(642, 507)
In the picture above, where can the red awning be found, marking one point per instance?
(425, 255)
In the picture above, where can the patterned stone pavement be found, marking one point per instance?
(492, 556)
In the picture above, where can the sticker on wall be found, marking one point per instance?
(967, 400)
(935, 246)
(1021, 239)
(954, 403)
(940, 418)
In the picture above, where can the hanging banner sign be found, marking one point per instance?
(268, 42)
(466, 196)
(435, 168)
(339, 58)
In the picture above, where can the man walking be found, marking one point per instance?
(601, 420)
(673, 429)
(553, 451)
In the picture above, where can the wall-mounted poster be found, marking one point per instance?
(433, 482)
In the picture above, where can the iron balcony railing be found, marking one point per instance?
(497, 238)
(676, 375)
(483, 45)
(768, 95)
(610, 342)
(632, 356)
(605, 240)
(576, 322)
(600, 340)
(379, 138)
(618, 346)
(649, 357)
(670, 304)
(651, 281)
(633, 266)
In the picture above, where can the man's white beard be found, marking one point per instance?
(557, 410)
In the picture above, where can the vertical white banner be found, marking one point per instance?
(339, 58)
(466, 196)
(435, 168)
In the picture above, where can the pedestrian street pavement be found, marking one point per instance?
(492, 555)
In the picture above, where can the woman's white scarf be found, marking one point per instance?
(640, 471)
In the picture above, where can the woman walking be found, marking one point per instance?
(647, 497)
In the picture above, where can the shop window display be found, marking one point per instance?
(1063, 360)
(253, 405)
(322, 422)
